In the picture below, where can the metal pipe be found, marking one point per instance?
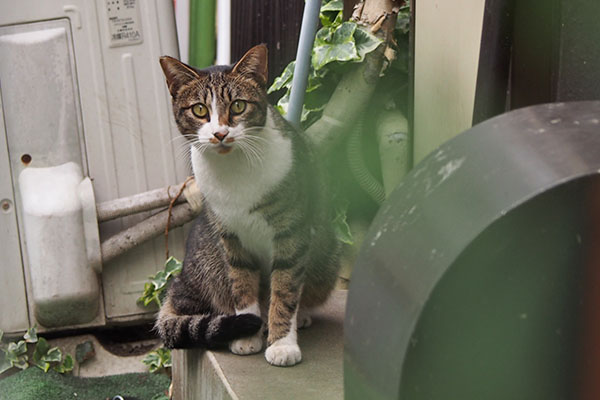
(308, 30)
(137, 203)
(223, 32)
(202, 33)
(145, 230)
(182, 19)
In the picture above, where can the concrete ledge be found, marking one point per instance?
(221, 375)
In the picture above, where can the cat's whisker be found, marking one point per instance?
(254, 151)
(259, 147)
(185, 136)
(257, 151)
(242, 148)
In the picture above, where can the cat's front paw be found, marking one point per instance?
(283, 355)
(248, 345)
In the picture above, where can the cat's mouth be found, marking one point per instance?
(223, 146)
(224, 149)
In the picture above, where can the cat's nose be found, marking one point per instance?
(221, 135)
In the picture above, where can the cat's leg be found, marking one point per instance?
(286, 288)
(245, 286)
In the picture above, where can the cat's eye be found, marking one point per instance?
(200, 110)
(238, 106)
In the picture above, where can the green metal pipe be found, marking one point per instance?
(202, 33)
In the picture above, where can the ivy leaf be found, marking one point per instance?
(165, 357)
(5, 363)
(334, 5)
(43, 365)
(84, 351)
(339, 47)
(173, 266)
(53, 355)
(152, 360)
(332, 13)
(17, 349)
(66, 366)
(158, 359)
(340, 226)
(284, 80)
(31, 335)
(366, 42)
(283, 103)
(159, 280)
(20, 362)
(41, 349)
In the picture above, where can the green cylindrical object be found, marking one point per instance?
(202, 33)
(472, 282)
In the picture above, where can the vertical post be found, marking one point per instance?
(308, 30)
(202, 33)
(224, 32)
(182, 16)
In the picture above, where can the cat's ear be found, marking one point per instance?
(177, 73)
(254, 64)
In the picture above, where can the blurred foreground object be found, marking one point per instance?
(475, 279)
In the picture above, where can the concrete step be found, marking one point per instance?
(221, 375)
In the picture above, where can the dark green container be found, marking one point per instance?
(472, 282)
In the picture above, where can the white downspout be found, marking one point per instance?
(223, 32)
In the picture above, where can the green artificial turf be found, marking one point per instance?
(34, 384)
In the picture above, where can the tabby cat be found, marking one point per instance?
(264, 240)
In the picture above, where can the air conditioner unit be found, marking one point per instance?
(82, 96)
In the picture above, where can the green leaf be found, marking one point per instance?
(84, 351)
(173, 266)
(68, 363)
(1, 334)
(334, 5)
(366, 42)
(340, 226)
(41, 349)
(18, 348)
(65, 366)
(151, 358)
(53, 355)
(159, 280)
(31, 335)
(339, 47)
(20, 362)
(283, 103)
(284, 80)
(160, 396)
(5, 363)
(43, 365)
(165, 356)
(332, 13)
(158, 359)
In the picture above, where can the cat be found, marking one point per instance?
(264, 241)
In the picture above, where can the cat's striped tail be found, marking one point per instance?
(204, 330)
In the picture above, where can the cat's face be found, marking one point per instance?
(220, 108)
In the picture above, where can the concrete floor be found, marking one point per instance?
(218, 375)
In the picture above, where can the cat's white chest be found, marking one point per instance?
(232, 187)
